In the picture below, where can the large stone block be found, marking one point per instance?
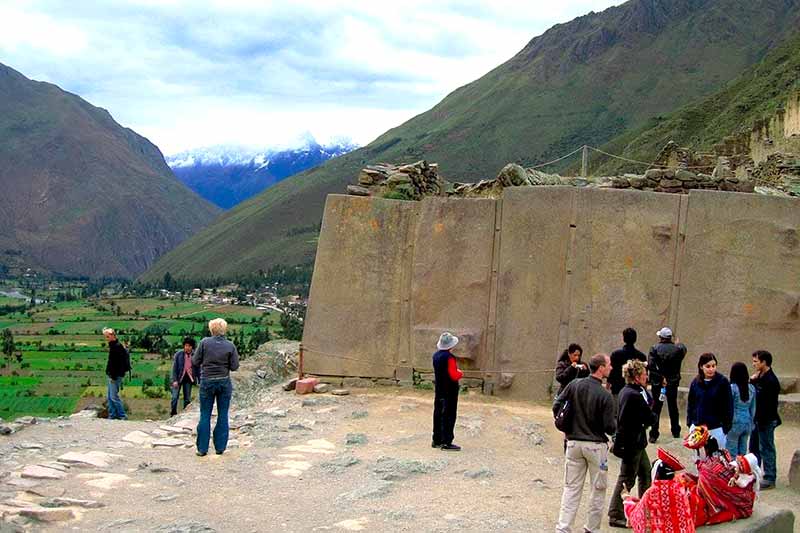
(739, 288)
(451, 277)
(361, 279)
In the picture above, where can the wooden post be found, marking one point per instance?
(300, 363)
(585, 162)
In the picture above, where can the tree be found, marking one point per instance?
(292, 327)
(168, 282)
(7, 345)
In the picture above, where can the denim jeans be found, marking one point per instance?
(116, 411)
(737, 439)
(762, 444)
(176, 392)
(220, 390)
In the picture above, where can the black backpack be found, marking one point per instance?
(563, 419)
(127, 362)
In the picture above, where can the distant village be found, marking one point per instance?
(265, 299)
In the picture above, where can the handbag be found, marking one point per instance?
(563, 419)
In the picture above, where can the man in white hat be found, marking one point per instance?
(664, 365)
(445, 404)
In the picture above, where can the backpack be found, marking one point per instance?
(127, 362)
(563, 419)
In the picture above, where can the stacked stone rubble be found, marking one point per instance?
(408, 182)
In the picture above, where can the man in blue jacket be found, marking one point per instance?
(184, 375)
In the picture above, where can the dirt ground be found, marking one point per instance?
(293, 469)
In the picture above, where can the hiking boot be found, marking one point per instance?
(617, 522)
(653, 439)
(200, 454)
(451, 447)
(435, 445)
(766, 485)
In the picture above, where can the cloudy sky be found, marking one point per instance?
(188, 74)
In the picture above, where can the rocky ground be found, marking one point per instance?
(360, 462)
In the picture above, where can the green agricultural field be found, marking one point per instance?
(63, 354)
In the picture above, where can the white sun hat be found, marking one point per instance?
(446, 341)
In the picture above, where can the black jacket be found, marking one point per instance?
(117, 363)
(711, 403)
(565, 373)
(592, 410)
(665, 362)
(444, 386)
(635, 416)
(619, 358)
(767, 390)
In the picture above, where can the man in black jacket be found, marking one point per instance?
(592, 419)
(762, 440)
(630, 443)
(622, 356)
(664, 366)
(117, 365)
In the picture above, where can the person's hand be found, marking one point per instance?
(574, 365)
(174, 384)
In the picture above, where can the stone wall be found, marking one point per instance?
(779, 133)
(520, 277)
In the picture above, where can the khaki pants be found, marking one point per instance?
(583, 457)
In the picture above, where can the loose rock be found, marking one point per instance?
(340, 392)
(44, 514)
(72, 502)
(41, 472)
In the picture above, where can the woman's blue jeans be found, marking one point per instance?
(220, 390)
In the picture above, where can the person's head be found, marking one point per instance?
(741, 378)
(217, 326)
(629, 336)
(706, 366)
(634, 371)
(664, 334)
(600, 365)
(572, 354)
(188, 344)
(109, 334)
(762, 360)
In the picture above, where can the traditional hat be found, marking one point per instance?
(743, 464)
(669, 459)
(696, 438)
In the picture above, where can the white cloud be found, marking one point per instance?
(189, 74)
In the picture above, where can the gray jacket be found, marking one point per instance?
(216, 357)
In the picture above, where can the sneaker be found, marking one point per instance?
(653, 439)
(766, 485)
(435, 445)
(200, 454)
(451, 447)
(220, 453)
(617, 522)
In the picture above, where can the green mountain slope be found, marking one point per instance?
(587, 81)
(82, 195)
(755, 94)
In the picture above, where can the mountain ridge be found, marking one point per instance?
(84, 196)
(228, 175)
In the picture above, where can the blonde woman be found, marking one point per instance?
(217, 358)
(630, 444)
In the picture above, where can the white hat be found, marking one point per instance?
(446, 341)
(665, 333)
